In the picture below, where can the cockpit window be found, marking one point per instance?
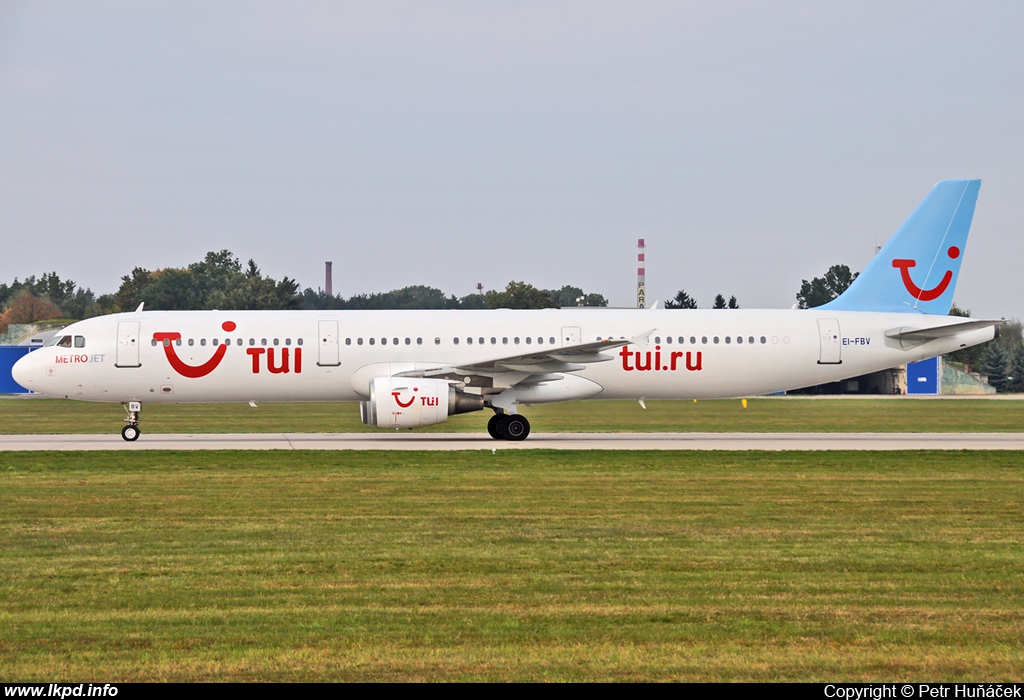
(79, 341)
(64, 342)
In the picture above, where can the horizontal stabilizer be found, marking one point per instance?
(925, 334)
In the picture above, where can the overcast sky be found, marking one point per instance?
(751, 144)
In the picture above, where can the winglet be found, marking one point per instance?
(643, 339)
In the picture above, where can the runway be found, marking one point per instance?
(537, 441)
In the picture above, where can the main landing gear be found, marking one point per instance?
(131, 432)
(503, 426)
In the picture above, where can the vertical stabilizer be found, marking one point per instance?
(917, 270)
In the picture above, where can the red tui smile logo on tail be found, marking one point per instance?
(935, 292)
(185, 369)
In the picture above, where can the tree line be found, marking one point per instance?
(220, 281)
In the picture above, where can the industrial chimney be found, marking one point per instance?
(640, 276)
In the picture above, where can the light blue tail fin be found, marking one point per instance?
(917, 270)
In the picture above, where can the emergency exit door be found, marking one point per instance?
(328, 356)
(831, 352)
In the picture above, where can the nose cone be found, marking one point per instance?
(23, 373)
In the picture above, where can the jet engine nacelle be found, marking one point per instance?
(401, 402)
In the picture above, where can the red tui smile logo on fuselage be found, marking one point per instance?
(935, 292)
(185, 369)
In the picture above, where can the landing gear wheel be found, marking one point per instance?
(494, 426)
(514, 428)
(131, 431)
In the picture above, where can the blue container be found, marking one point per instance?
(923, 377)
(9, 354)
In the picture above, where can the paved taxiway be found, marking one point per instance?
(550, 441)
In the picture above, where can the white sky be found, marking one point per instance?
(751, 144)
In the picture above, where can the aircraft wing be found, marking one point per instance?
(538, 365)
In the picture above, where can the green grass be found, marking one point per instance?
(620, 566)
(21, 416)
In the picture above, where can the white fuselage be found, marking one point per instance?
(222, 356)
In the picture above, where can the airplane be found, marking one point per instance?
(410, 369)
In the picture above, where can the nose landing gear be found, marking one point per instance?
(131, 432)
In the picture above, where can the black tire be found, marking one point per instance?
(131, 433)
(494, 426)
(516, 428)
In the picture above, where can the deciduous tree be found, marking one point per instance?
(822, 290)
(520, 295)
(25, 307)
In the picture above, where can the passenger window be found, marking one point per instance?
(728, 340)
(494, 341)
(668, 340)
(288, 341)
(437, 341)
(515, 340)
(252, 341)
(763, 340)
(191, 342)
(504, 341)
(704, 339)
(529, 340)
(739, 339)
(716, 340)
(202, 341)
(348, 341)
(469, 341)
(383, 341)
(178, 342)
(216, 342)
(373, 341)
(693, 340)
(481, 341)
(540, 341)
(408, 341)
(359, 341)
(276, 342)
(551, 340)
(394, 341)
(167, 343)
(299, 341)
(455, 341)
(419, 341)
(657, 340)
(154, 343)
(263, 341)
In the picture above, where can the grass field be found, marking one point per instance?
(526, 566)
(790, 414)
